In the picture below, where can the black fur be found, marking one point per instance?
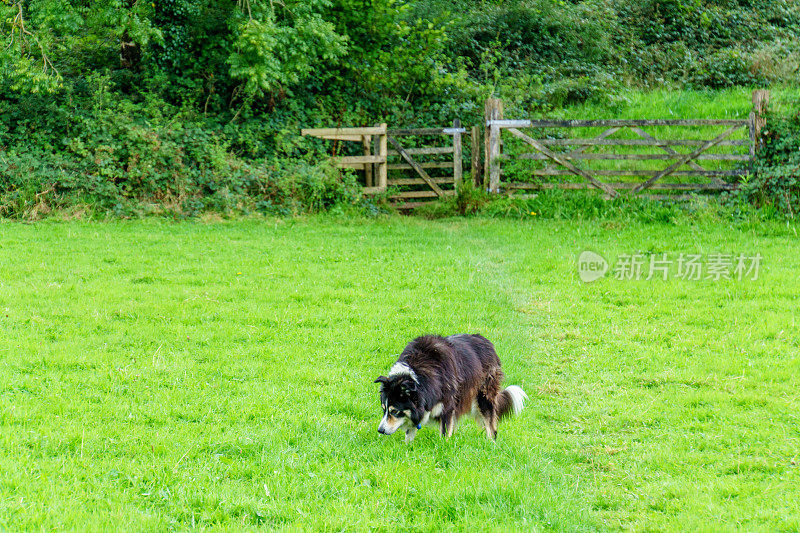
(457, 372)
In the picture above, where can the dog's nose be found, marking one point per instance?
(381, 431)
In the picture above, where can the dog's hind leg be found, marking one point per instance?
(489, 416)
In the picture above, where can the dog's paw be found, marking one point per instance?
(410, 434)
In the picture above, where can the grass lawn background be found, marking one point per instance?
(157, 375)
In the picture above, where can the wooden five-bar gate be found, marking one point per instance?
(672, 156)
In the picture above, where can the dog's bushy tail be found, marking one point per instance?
(510, 401)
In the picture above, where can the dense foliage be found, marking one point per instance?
(776, 184)
(182, 105)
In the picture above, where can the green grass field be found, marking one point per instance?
(157, 375)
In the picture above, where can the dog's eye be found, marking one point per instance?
(395, 413)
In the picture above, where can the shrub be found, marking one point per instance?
(776, 180)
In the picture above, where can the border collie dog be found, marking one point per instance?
(440, 379)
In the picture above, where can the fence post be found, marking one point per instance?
(493, 110)
(366, 140)
(457, 164)
(757, 119)
(383, 151)
(475, 155)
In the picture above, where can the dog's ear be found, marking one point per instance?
(382, 380)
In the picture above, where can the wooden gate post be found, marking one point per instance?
(457, 168)
(366, 140)
(475, 155)
(757, 119)
(493, 110)
(383, 152)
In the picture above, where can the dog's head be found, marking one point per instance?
(400, 402)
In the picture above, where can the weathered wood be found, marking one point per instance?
(628, 172)
(430, 150)
(422, 194)
(682, 161)
(320, 132)
(372, 190)
(475, 155)
(448, 180)
(457, 168)
(426, 131)
(424, 175)
(758, 114)
(601, 137)
(383, 152)
(492, 110)
(344, 161)
(636, 142)
(348, 137)
(426, 164)
(623, 186)
(608, 123)
(647, 136)
(494, 159)
(534, 156)
(366, 141)
(555, 157)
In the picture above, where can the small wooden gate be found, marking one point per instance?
(409, 160)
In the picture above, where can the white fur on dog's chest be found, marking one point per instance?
(435, 412)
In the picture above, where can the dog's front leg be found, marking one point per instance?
(446, 424)
(410, 434)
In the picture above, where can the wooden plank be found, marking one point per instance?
(320, 132)
(424, 175)
(422, 194)
(555, 157)
(340, 137)
(383, 150)
(366, 142)
(426, 164)
(425, 131)
(372, 190)
(601, 137)
(352, 159)
(457, 168)
(629, 172)
(608, 123)
(419, 181)
(494, 159)
(492, 110)
(632, 157)
(673, 167)
(430, 150)
(593, 141)
(669, 150)
(660, 186)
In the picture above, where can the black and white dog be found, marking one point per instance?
(439, 380)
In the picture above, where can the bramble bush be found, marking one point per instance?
(776, 178)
